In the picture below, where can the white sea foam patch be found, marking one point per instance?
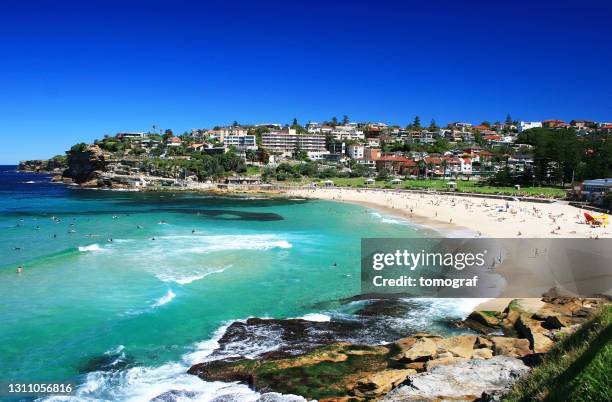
(165, 299)
(390, 220)
(212, 243)
(185, 279)
(441, 308)
(91, 247)
(316, 317)
(170, 380)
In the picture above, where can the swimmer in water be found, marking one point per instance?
(19, 269)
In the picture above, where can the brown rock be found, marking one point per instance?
(489, 318)
(442, 361)
(482, 342)
(533, 331)
(381, 382)
(555, 322)
(483, 353)
(422, 350)
(513, 347)
(460, 346)
(418, 366)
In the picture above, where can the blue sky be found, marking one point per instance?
(74, 71)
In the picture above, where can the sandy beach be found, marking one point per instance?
(460, 216)
(478, 216)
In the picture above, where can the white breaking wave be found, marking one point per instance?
(316, 317)
(205, 243)
(145, 383)
(165, 299)
(91, 247)
(387, 219)
(187, 279)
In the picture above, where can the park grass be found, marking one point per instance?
(465, 186)
(253, 170)
(578, 368)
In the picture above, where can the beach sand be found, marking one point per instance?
(487, 217)
(460, 216)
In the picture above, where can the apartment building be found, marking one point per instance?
(240, 142)
(288, 142)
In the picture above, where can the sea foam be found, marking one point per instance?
(165, 299)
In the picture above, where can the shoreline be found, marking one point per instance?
(483, 216)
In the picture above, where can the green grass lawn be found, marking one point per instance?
(578, 368)
(253, 171)
(441, 185)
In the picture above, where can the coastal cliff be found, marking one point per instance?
(85, 163)
(55, 165)
(478, 365)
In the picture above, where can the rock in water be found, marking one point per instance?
(464, 380)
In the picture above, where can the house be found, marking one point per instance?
(313, 128)
(463, 127)
(347, 132)
(466, 166)
(527, 125)
(370, 156)
(374, 142)
(355, 151)
(174, 142)
(130, 135)
(554, 124)
(426, 137)
(196, 147)
(481, 127)
(595, 191)
(606, 128)
(582, 123)
(396, 164)
(232, 130)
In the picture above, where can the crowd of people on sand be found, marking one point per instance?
(521, 215)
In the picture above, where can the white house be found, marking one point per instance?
(355, 151)
(526, 125)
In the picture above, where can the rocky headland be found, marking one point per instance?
(333, 361)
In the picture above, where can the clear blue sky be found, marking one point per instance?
(74, 71)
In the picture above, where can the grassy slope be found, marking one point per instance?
(579, 368)
(440, 185)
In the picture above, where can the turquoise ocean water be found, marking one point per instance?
(124, 319)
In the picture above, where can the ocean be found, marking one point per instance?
(121, 292)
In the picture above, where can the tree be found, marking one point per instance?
(383, 174)
(345, 120)
(444, 164)
(334, 121)
(486, 123)
(168, 134)
(235, 123)
(509, 119)
(433, 126)
(295, 122)
(417, 122)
